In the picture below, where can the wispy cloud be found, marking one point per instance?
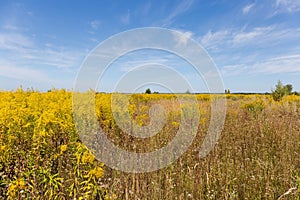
(135, 65)
(183, 37)
(237, 38)
(288, 5)
(215, 40)
(11, 27)
(231, 38)
(33, 58)
(275, 65)
(282, 64)
(247, 8)
(146, 57)
(21, 49)
(233, 70)
(241, 37)
(126, 65)
(179, 9)
(14, 41)
(257, 50)
(54, 57)
(10, 70)
(95, 24)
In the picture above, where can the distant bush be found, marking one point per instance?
(281, 91)
(148, 91)
(256, 106)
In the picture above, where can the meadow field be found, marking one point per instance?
(42, 156)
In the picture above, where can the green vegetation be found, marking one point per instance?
(281, 91)
(148, 91)
(227, 91)
(256, 157)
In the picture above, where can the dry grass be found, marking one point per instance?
(257, 156)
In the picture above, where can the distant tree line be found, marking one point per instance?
(278, 93)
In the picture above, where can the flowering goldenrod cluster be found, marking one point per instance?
(38, 148)
(87, 157)
(18, 184)
(97, 172)
(42, 157)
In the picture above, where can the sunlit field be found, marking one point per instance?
(42, 156)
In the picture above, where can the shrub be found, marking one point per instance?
(281, 91)
(148, 91)
(255, 106)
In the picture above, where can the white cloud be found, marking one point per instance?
(21, 59)
(11, 27)
(282, 64)
(10, 70)
(274, 65)
(181, 8)
(214, 40)
(95, 24)
(236, 38)
(288, 5)
(249, 36)
(233, 70)
(14, 41)
(58, 58)
(183, 37)
(247, 8)
(257, 50)
(22, 51)
(129, 65)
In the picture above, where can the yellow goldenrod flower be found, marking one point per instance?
(11, 138)
(96, 172)
(176, 124)
(14, 186)
(87, 157)
(42, 133)
(63, 148)
(3, 147)
(110, 197)
(21, 183)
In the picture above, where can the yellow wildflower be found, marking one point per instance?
(110, 197)
(63, 148)
(2, 148)
(21, 183)
(14, 186)
(176, 124)
(12, 138)
(97, 172)
(42, 133)
(87, 157)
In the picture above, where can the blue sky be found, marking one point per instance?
(253, 43)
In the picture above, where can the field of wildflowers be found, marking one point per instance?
(42, 156)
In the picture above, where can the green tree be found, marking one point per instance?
(281, 90)
(289, 88)
(148, 91)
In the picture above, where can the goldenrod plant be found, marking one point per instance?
(42, 156)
